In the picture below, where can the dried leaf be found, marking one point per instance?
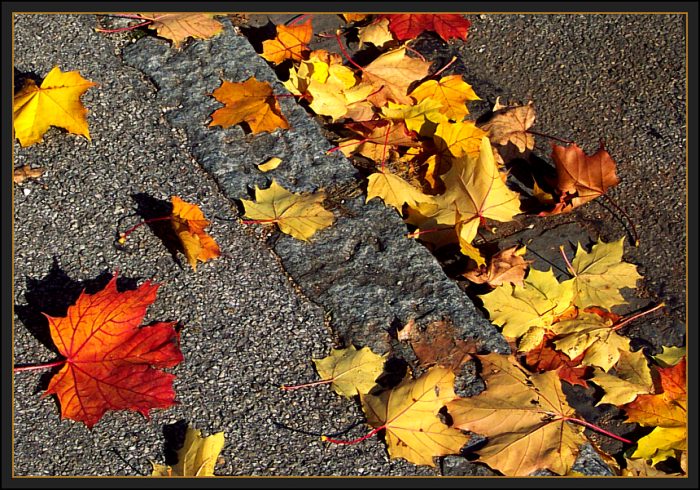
(545, 358)
(270, 164)
(188, 222)
(438, 345)
(391, 74)
(26, 172)
(409, 414)
(394, 191)
(251, 102)
(507, 266)
(179, 26)
(55, 103)
(291, 43)
(377, 33)
(524, 417)
(111, 362)
(632, 378)
(197, 456)
(298, 215)
(353, 371)
(510, 125)
(670, 356)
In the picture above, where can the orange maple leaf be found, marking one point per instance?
(189, 223)
(112, 363)
(252, 102)
(290, 43)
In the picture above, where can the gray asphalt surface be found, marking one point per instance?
(247, 329)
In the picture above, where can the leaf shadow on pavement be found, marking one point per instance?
(52, 295)
(174, 435)
(150, 208)
(20, 78)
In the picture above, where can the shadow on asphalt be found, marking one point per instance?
(52, 295)
(150, 208)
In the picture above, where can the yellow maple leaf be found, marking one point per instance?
(188, 222)
(391, 73)
(252, 102)
(451, 92)
(476, 187)
(537, 303)
(55, 103)
(593, 335)
(523, 415)
(409, 414)
(179, 26)
(291, 42)
(458, 139)
(352, 371)
(670, 356)
(422, 117)
(197, 457)
(377, 33)
(632, 377)
(600, 274)
(394, 191)
(298, 215)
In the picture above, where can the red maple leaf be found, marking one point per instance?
(545, 358)
(110, 361)
(409, 26)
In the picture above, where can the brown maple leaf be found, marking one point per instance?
(112, 363)
(507, 266)
(179, 26)
(438, 345)
(581, 178)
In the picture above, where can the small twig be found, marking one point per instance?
(437, 73)
(545, 135)
(629, 220)
(306, 385)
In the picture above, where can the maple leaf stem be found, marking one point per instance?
(124, 29)
(638, 315)
(123, 236)
(345, 53)
(36, 367)
(596, 428)
(386, 142)
(437, 73)
(566, 259)
(354, 441)
(545, 135)
(358, 143)
(422, 58)
(305, 385)
(257, 221)
(629, 220)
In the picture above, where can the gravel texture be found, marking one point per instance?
(254, 317)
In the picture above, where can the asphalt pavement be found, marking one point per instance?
(256, 316)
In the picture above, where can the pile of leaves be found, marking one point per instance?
(407, 125)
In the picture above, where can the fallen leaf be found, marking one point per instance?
(545, 358)
(581, 178)
(507, 266)
(409, 414)
(600, 274)
(377, 139)
(592, 336)
(197, 456)
(394, 191)
(353, 371)
(523, 415)
(410, 26)
(111, 362)
(408, 332)
(475, 186)
(55, 103)
(354, 17)
(632, 377)
(179, 26)
(510, 125)
(537, 303)
(251, 102)
(26, 172)
(188, 223)
(438, 345)
(458, 139)
(298, 215)
(377, 33)
(422, 117)
(670, 356)
(291, 43)
(451, 92)
(270, 164)
(640, 468)
(391, 74)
